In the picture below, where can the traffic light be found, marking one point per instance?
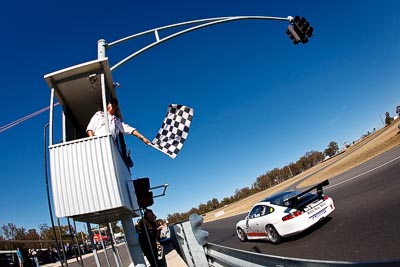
(143, 195)
(299, 30)
(293, 35)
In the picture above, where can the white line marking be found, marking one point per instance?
(355, 177)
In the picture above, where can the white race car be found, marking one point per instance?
(284, 214)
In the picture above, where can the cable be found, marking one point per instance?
(27, 117)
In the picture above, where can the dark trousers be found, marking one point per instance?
(148, 249)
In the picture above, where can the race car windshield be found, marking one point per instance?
(281, 199)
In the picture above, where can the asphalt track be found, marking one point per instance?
(364, 226)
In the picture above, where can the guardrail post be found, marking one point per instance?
(180, 243)
(189, 239)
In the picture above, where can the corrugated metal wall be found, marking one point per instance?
(87, 176)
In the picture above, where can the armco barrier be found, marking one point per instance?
(223, 256)
(190, 242)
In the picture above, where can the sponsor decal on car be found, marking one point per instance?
(316, 215)
(313, 204)
(320, 206)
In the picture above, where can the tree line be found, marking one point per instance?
(12, 236)
(30, 238)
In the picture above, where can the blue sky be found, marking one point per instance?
(260, 102)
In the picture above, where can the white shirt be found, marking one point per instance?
(97, 124)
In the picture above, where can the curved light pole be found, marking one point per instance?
(296, 32)
(201, 23)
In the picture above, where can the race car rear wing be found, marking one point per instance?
(317, 187)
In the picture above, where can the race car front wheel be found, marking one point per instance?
(241, 235)
(272, 234)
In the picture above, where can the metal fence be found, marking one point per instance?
(223, 256)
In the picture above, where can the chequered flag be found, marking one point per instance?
(174, 130)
